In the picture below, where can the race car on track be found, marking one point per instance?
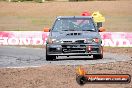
(74, 36)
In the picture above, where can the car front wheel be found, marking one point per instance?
(50, 57)
(100, 56)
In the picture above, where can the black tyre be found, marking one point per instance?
(100, 56)
(50, 58)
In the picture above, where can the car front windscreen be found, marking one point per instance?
(74, 24)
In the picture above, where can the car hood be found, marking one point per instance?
(74, 35)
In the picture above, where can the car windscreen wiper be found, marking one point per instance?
(88, 30)
(69, 30)
(65, 30)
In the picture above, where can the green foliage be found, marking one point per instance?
(3, 0)
(16, 0)
(39, 1)
(77, 0)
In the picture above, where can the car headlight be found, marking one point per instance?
(51, 41)
(96, 40)
(88, 41)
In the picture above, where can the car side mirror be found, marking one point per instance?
(46, 30)
(101, 29)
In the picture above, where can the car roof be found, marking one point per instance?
(74, 17)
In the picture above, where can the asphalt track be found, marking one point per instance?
(14, 57)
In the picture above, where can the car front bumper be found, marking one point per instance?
(73, 49)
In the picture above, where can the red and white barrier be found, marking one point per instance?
(117, 39)
(113, 39)
(23, 38)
